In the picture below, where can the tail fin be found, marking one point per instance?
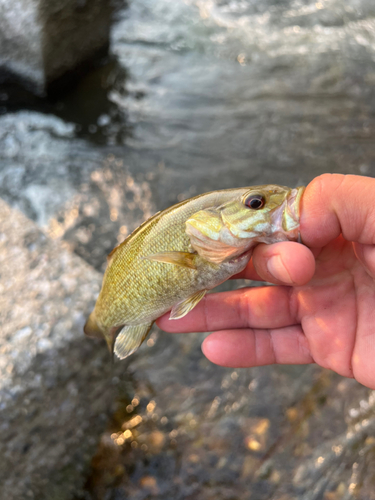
(92, 328)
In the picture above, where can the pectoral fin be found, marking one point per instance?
(180, 309)
(184, 259)
(130, 338)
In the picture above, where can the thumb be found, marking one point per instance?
(336, 203)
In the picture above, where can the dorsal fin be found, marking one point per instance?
(112, 252)
(137, 230)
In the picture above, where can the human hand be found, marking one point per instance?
(326, 314)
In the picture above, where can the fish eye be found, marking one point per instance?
(255, 201)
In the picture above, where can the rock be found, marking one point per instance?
(56, 386)
(42, 41)
(75, 191)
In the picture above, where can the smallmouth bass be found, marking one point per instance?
(176, 256)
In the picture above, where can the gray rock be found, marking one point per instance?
(42, 40)
(41, 164)
(56, 386)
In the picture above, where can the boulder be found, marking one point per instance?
(56, 387)
(43, 41)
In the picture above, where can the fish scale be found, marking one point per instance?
(172, 259)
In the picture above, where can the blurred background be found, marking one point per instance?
(154, 102)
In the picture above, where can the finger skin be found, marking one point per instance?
(364, 349)
(346, 205)
(366, 255)
(249, 347)
(263, 307)
(334, 204)
(287, 263)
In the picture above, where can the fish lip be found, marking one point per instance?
(294, 202)
(291, 213)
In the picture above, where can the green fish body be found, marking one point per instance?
(175, 257)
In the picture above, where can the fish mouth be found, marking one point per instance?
(291, 213)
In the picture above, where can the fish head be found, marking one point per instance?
(260, 214)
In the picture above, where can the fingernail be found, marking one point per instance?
(276, 267)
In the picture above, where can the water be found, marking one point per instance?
(200, 95)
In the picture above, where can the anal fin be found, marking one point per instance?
(130, 338)
(180, 309)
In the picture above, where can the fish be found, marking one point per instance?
(171, 260)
